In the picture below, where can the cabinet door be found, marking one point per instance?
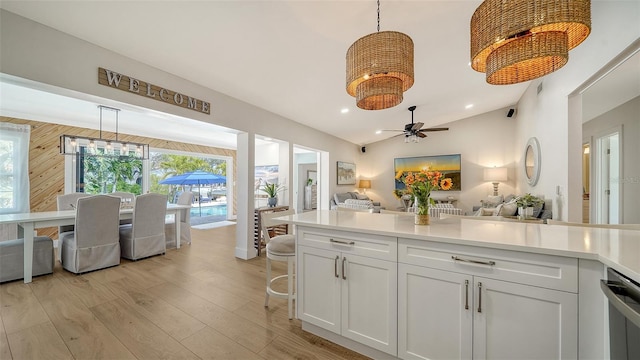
(514, 321)
(435, 313)
(369, 302)
(318, 290)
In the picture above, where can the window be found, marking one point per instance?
(103, 174)
(14, 168)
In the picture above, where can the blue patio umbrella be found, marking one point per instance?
(195, 178)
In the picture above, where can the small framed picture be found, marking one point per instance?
(346, 173)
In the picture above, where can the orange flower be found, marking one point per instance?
(446, 184)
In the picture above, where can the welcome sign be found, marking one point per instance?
(136, 86)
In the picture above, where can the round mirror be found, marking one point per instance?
(532, 161)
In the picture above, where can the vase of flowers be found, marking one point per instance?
(420, 185)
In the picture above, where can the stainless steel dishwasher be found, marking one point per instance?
(624, 315)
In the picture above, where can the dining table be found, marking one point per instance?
(29, 222)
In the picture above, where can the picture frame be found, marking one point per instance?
(346, 173)
(449, 165)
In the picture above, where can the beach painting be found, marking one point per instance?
(448, 165)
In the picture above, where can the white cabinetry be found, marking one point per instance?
(461, 302)
(347, 284)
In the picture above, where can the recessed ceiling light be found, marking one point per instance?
(344, 111)
(378, 132)
(468, 106)
(469, 64)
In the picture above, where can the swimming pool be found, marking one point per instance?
(210, 210)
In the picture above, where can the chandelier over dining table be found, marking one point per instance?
(75, 144)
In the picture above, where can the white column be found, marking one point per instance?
(245, 173)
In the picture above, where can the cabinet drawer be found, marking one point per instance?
(374, 246)
(547, 271)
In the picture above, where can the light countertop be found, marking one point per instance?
(619, 249)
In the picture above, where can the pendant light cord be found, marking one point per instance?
(378, 15)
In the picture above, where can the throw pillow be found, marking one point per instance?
(537, 210)
(509, 208)
(487, 211)
(492, 201)
(341, 197)
(362, 197)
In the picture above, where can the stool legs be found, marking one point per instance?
(290, 286)
(266, 299)
(290, 294)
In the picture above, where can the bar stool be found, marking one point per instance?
(279, 248)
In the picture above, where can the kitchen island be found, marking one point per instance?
(458, 288)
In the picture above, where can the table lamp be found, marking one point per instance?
(495, 175)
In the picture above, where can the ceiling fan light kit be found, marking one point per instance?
(380, 69)
(520, 40)
(413, 132)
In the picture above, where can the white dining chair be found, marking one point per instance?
(279, 248)
(94, 242)
(145, 236)
(185, 223)
(127, 199)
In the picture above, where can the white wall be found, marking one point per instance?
(626, 115)
(615, 25)
(68, 66)
(267, 154)
(485, 140)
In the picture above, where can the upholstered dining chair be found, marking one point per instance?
(68, 202)
(129, 199)
(145, 236)
(279, 248)
(185, 222)
(94, 242)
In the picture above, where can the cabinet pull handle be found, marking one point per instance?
(342, 242)
(344, 275)
(335, 266)
(488, 263)
(479, 297)
(466, 294)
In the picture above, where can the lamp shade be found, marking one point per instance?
(364, 184)
(495, 174)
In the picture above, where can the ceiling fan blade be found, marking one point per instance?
(417, 126)
(421, 134)
(435, 129)
(393, 130)
(403, 134)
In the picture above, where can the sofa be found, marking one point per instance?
(353, 200)
(505, 206)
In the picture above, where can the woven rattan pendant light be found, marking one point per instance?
(519, 40)
(380, 68)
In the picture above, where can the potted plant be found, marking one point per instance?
(272, 191)
(526, 203)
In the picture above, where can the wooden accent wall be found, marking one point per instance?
(46, 165)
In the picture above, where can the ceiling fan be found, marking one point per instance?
(413, 132)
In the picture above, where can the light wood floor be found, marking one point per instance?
(196, 302)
